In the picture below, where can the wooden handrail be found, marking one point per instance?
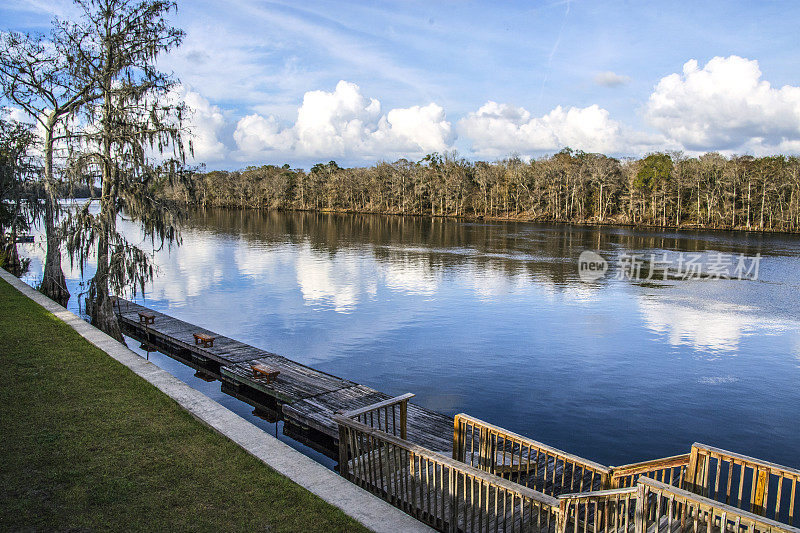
(671, 469)
(759, 491)
(387, 408)
(774, 467)
(372, 407)
(555, 451)
(601, 511)
(728, 510)
(596, 493)
(532, 494)
(649, 466)
(649, 499)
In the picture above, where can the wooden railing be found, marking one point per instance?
(438, 490)
(764, 488)
(670, 470)
(523, 460)
(654, 506)
(602, 511)
(498, 480)
(662, 507)
(389, 415)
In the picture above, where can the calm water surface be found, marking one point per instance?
(491, 319)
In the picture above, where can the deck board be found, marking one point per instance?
(308, 396)
(424, 427)
(295, 382)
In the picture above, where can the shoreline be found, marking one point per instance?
(518, 219)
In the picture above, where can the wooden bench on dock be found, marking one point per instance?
(146, 318)
(264, 370)
(206, 340)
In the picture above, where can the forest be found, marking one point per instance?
(660, 189)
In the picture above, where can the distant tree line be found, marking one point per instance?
(661, 189)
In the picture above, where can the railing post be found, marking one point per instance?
(457, 437)
(640, 518)
(403, 418)
(452, 489)
(343, 468)
(760, 502)
(691, 471)
(562, 517)
(483, 453)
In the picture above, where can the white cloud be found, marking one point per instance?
(726, 106)
(205, 123)
(332, 123)
(256, 134)
(716, 328)
(416, 129)
(344, 123)
(499, 129)
(17, 114)
(611, 79)
(256, 262)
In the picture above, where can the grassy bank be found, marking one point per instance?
(85, 444)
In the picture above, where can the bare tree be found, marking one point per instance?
(35, 75)
(131, 142)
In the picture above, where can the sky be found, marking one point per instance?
(361, 82)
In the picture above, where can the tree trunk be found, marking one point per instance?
(11, 253)
(53, 285)
(102, 310)
(601, 202)
(748, 204)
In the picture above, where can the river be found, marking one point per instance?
(493, 319)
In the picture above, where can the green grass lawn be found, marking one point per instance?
(85, 444)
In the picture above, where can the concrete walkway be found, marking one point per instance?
(368, 509)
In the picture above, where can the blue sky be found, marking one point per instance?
(301, 82)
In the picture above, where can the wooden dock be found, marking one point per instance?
(464, 474)
(303, 396)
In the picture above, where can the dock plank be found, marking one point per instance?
(317, 411)
(295, 382)
(181, 333)
(308, 396)
(424, 427)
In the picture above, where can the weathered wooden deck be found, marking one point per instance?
(306, 397)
